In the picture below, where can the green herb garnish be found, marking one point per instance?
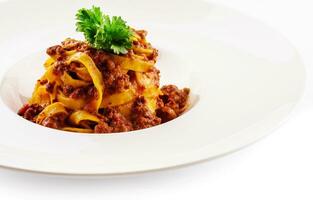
(103, 32)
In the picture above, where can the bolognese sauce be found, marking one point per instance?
(88, 90)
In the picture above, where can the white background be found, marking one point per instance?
(278, 167)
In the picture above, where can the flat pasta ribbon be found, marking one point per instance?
(81, 115)
(136, 65)
(78, 130)
(68, 80)
(51, 110)
(94, 72)
(75, 104)
(119, 98)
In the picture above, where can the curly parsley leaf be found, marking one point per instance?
(103, 32)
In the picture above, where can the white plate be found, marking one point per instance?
(245, 79)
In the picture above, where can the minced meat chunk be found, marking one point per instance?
(142, 117)
(174, 102)
(113, 122)
(29, 112)
(56, 121)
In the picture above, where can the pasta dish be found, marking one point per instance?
(95, 87)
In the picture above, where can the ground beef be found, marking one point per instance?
(175, 98)
(166, 114)
(153, 57)
(43, 82)
(142, 117)
(117, 121)
(56, 121)
(60, 67)
(173, 102)
(115, 79)
(23, 109)
(90, 107)
(29, 112)
(56, 50)
(99, 57)
(67, 90)
(110, 65)
(132, 76)
(120, 84)
(89, 92)
(113, 122)
(71, 44)
(50, 87)
(142, 33)
(103, 127)
(92, 92)
(91, 95)
(78, 93)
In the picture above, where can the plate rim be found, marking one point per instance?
(246, 144)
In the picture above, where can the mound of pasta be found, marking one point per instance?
(88, 90)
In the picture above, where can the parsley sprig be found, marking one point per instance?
(103, 32)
